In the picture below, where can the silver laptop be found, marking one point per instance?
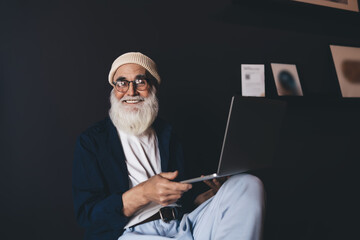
(251, 136)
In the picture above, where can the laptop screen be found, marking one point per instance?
(251, 134)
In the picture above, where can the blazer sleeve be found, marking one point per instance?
(95, 208)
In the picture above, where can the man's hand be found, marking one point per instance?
(214, 185)
(159, 189)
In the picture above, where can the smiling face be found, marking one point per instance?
(131, 72)
(133, 110)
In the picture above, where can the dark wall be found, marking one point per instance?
(55, 57)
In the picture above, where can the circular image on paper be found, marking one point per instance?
(351, 71)
(287, 82)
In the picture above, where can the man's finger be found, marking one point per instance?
(169, 192)
(217, 182)
(184, 187)
(210, 184)
(169, 175)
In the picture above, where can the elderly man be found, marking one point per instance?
(127, 167)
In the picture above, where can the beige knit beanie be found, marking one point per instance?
(134, 57)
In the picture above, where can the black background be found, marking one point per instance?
(55, 57)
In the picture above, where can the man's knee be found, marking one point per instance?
(247, 180)
(246, 186)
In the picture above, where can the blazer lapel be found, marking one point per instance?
(163, 132)
(116, 149)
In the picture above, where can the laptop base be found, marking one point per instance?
(207, 177)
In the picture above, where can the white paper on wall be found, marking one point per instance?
(253, 80)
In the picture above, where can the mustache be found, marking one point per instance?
(132, 98)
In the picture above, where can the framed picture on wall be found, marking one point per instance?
(286, 79)
(351, 5)
(347, 65)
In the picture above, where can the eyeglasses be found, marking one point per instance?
(138, 84)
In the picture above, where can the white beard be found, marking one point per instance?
(133, 119)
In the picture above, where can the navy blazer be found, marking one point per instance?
(100, 176)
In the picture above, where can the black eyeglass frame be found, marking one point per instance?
(133, 82)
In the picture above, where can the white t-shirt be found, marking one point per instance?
(143, 161)
(142, 156)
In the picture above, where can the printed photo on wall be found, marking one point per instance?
(351, 5)
(286, 79)
(253, 80)
(347, 65)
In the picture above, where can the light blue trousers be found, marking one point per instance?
(235, 212)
